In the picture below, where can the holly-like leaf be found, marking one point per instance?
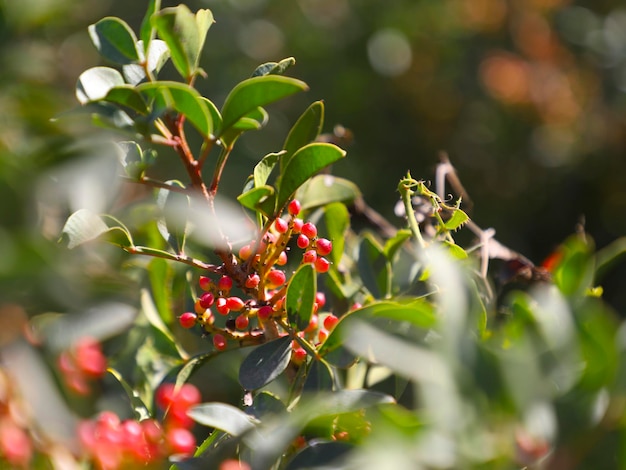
(300, 296)
(115, 40)
(304, 131)
(256, 92)
(265, 363)
(222, 416)
(94, 83)
(274, 68)
(305, 163)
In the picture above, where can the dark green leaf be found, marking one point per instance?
(115, 40)
(140, 409)
(161, 276)
(255, 92)
(158, 53)
(304, 131)
(274, 68)
(265, 363)
(300, 296)
(191, 366)
(146, 32)
(337, 219)
(319, 377)
(320, 455)
(305, 163)
(222, 416)
(374, 268)
(94, 83)
(324, 189)
(127, 96)
(266, 404)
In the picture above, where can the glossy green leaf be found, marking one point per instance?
(261, 198)
(216, 117)
(266, 404)
(222, 416)
(337, 219)
(263, 169)
(300, 296)
(458, 219)
(94, 83)
(128, 96)
(115, 40)
(574, 274)
(374, 268)
(274, 68)
(256, 92)
(305, 163)
(254, 120)
(304, 131)
(161, 274)
(319, 377)
(175, 209)
(325, 189)
(84, 226)
(184, 99)
(265, 363)
(321, 454)
(147, 30)
(157, 56)
(184, 34)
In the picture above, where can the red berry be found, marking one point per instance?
(297, 225)
(242, 322)
(225, 283)
(276, 277)
(298, 355)
(188, 395)
(323, 246)
(265, 312)
(309, 229)
(180, 441)
(356, 306)
(220, 305)
(330, 321)
(234, 304)
(302, 241)
(152, 431)
(206, 300)
(282, 259)
(15, 445)
(164, 395)
(309, 256)
(219, 342)
(252, 281)
(188, 320)
(89, 358)
(322, 334)
(322, 265)
(294, 207)
(281, 225)
(320, 299)
(205, 283)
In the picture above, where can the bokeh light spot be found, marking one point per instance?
(261, 40)
(389, 52)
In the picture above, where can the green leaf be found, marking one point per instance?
(265, 363)
(161, 274)
(184, 34)
(128, 96)
(261, 199)
(395, 243)
(184, 99)
(147, 31)
(94, 83)
(130, 157)
(140, 409)
(319, 377)
(115, 40)
(324, 189)
(300, 296)
(216, 117)
(274, 68)
(337, 219)
(458, 219)
(84, 226)
(175, 209)
(254, 120)
(263, 169)
(157, 56)
(255, 92)
(222, 416)
(321, 454)
(574, 274)
(374, 268)
(191, 366)
(167, 337)
(304, 131)
(303, 165)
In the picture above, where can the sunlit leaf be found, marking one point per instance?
(94, 83)
(274, 68)
(395, 243)
(84, 226)
(147, 31)
(324, 189)
(263, 169)
(260, 198)
(157, 56)
(304, 131)
(457, 220)
(300, 296)
(222, 416)
(127, 96)
(337, 219)
(115, 40)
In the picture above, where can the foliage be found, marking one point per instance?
(319, 346)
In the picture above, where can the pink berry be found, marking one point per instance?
(15, 445)
(252, 281)
(188, 395)
(356, 306)
(309, 229)
(312, 326)
(323, 246)
(89, 358)
(206, 300)
(234, 304)
(320, 299)
(225, 283)
(281, 225)
(330, 321)
(276, 277)
(220, 305)
(164, 395)
(205, 283)
(265, 312)
(282, 259)
(188, 320)
(322, 265)
(242, 322)
(309, 256)
(302, 241)
(297, 225)
(294, 207)
(180, 441)
(219, 342)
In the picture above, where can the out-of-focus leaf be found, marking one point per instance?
(127, 96)
(140, 409)
(374, 268)
(304, 131)
(458, 219)
(187, 370)
(319, 377)
(393, 244)
(175, 209)
(150, 312)
(320, 455)
(222, 416)
(260, 198)
(337, 219)
(256, 92)
(325, 189)
(84, 226)
(115, 40)
(305, 163)
(161, 274)
(265, 405)
(574, 274)
(300, 296)
(265, 363)
(158, 53)
(94, 83)
(274, 68)
(147, 31)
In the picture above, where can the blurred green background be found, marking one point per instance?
(528, 97)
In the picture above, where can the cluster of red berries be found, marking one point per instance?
(114, 444)
(82, 364)
(265, 281)
(16, 443)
